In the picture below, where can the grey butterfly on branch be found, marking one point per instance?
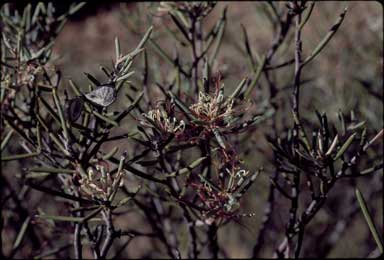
(103, 96)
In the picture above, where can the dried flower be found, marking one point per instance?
(222, 199)
(213, 110)
(158, 118)
(220, 204)
(100, 184)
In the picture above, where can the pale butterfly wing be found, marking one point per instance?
(103, 96)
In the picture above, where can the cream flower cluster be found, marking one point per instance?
(101, 184)
(212, 108)
(167, 124)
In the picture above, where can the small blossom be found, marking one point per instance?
(100, 184)
(159, 118)
(213, 109)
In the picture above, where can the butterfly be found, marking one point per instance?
(74, 107)
(103, 96)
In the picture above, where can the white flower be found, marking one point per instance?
(160, 118)
(214, 108)
(100, 184)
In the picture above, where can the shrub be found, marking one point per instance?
(178, 165)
